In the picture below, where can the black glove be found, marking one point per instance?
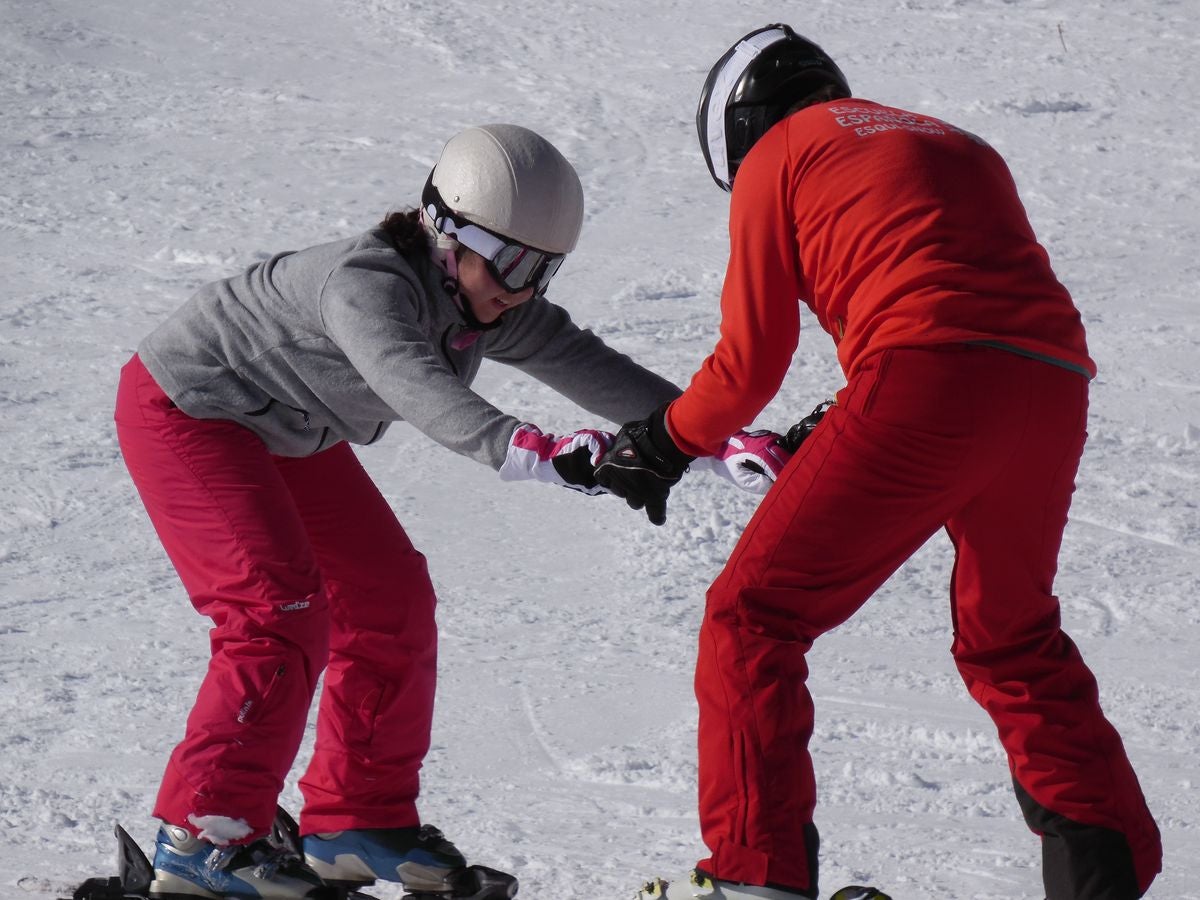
(802, 429)
(643, 465)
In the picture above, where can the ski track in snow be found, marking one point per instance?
(147, 148)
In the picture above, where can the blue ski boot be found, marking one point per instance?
(419, 858)
(187, 867)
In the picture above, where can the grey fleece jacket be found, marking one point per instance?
(338, 341)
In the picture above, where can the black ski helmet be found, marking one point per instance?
(752, 87)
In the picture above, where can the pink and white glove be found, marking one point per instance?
(750, 459)
(569, 460)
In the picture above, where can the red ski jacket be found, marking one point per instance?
(897, 230)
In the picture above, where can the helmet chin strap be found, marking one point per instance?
(443, 249)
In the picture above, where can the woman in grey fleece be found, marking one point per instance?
(235, 419)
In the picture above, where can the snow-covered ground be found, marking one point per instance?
(147, 146)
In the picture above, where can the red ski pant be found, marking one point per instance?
(980, 441)
(302, 566)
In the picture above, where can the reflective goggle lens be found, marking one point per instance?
(514, 266)
(518, 267)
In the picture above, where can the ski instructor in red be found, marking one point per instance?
(965, 408)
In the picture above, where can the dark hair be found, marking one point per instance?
(822, 94)
(405, 231)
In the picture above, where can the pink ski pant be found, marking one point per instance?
(986, 444)
(302, 566)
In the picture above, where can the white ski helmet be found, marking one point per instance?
(514, 183)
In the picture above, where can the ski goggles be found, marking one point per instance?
(515, 266)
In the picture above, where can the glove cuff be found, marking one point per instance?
(664, 444)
